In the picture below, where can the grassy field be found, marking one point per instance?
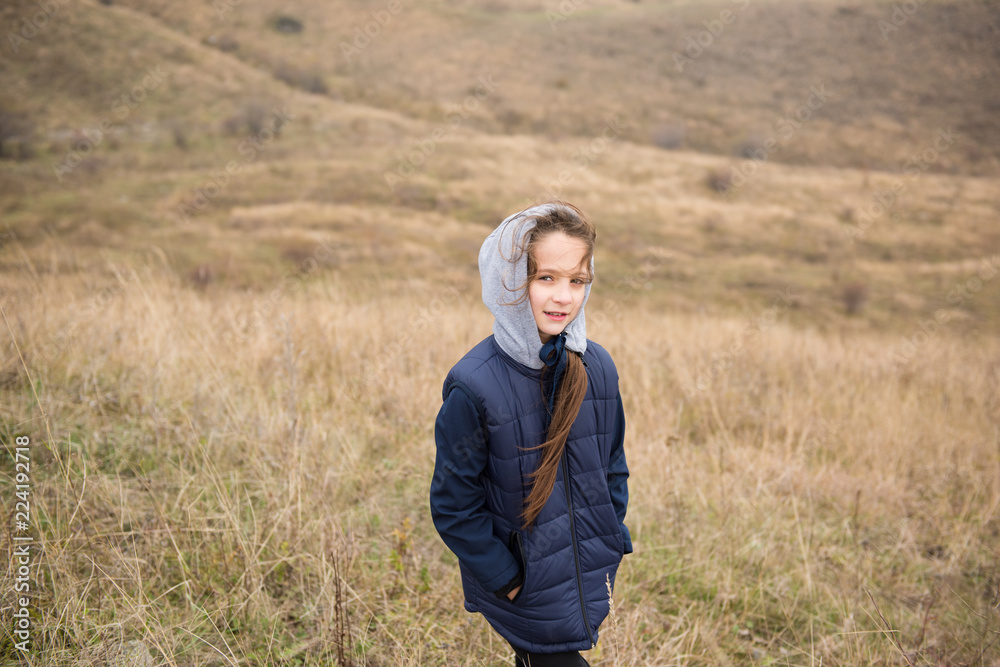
(210, 482)
(236, 265)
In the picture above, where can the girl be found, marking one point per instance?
(529, 487)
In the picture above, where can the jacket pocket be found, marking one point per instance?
(516, 547)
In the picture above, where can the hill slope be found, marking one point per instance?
(417, 148)
(892, 79)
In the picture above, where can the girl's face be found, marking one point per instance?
(557, 289)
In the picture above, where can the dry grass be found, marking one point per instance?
(210, 493)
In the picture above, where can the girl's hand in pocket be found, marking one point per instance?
(513, 593)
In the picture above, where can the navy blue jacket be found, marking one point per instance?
(493, 407)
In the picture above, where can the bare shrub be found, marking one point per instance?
(91, 166)
(232, 124)
(17, 132)
(311, 82)
(287, 24)
(753, 147)
(854, 296)
(721, 179)
(299, 252)
(254, 115)
(202, 276)
(511, 119)
(669, 136)
(343, 638)
(224, 43)
(277, 122)
(251, 118)
(179, 133)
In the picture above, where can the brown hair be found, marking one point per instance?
(571, 221)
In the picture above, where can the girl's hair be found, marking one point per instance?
(565, 218)
(571, 221)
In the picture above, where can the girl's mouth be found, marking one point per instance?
(555, 316)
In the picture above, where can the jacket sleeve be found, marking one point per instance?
(618, 474)
(458, 497)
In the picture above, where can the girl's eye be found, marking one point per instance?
(545, 277)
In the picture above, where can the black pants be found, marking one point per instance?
(571, 659)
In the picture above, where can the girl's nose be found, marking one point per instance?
(562, 295)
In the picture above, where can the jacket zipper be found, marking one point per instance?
(576, 554)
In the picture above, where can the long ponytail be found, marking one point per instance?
(569, 397)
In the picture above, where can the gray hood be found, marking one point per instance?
(514, 327)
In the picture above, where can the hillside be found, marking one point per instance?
(339, 158)
(561, 72)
